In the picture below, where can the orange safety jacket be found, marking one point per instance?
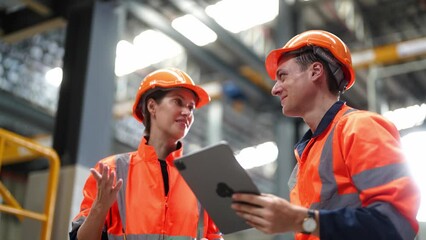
(142, 211)
(356, 162)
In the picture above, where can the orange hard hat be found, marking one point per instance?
(166, 79)
(319, 38)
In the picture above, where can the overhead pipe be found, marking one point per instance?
(391, 53)
(387, 55)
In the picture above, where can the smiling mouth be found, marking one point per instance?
(182, 122)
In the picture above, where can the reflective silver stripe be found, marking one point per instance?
(200, 227)
(379, 176)
(122, 169)
(293, 177)
(148, 237)
(330, 198)
(338, 201)
(403, 227)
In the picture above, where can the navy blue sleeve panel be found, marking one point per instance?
(356, 224)
(73, 234)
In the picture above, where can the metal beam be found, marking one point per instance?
(403, 68)
(30, 118)
(155, 20)
(30, 31)
(37, 7)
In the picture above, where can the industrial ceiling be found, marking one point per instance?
(33, 35)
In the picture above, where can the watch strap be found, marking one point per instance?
(311, 214)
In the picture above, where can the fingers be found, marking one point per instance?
(96, 174)
(105, 177)
(255, 200)
(118, 185)
(101, 173)
(253, 216)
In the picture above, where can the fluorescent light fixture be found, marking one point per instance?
(240, 15)
(194, 30)
(126, 60)
(413, 147)
(257, 156)
(154, 46)
(408, 117)
(148, 48)
(54, 76)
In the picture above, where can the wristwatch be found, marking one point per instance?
(309, 223)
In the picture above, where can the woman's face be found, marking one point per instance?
(173, 116)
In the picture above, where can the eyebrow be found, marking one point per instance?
(281, 71)
(175, 94)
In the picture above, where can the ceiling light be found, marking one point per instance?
(125, 60)
(54, 76)
(257, 156)
(194, 30)
(408, 117)
(240, 15)
(148, 48)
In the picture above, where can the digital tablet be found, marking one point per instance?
(214, 174)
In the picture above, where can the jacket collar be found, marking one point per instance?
(147, 152)
(326, 120)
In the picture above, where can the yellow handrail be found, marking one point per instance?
(15, 148)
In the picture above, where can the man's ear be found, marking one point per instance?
(317, 70)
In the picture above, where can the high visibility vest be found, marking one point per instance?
(356, 162)
(142, 211)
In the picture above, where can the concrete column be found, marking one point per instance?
(286, 132)
(83, 131)
(288, 23)
(215, 122)
(372, 89)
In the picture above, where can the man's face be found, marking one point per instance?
(293, 87)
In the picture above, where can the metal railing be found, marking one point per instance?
(15, 149)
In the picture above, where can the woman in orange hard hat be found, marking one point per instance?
(350, 180)
(141, 195)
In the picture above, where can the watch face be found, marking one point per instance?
(309, 225)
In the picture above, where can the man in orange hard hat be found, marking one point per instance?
(351, 180)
